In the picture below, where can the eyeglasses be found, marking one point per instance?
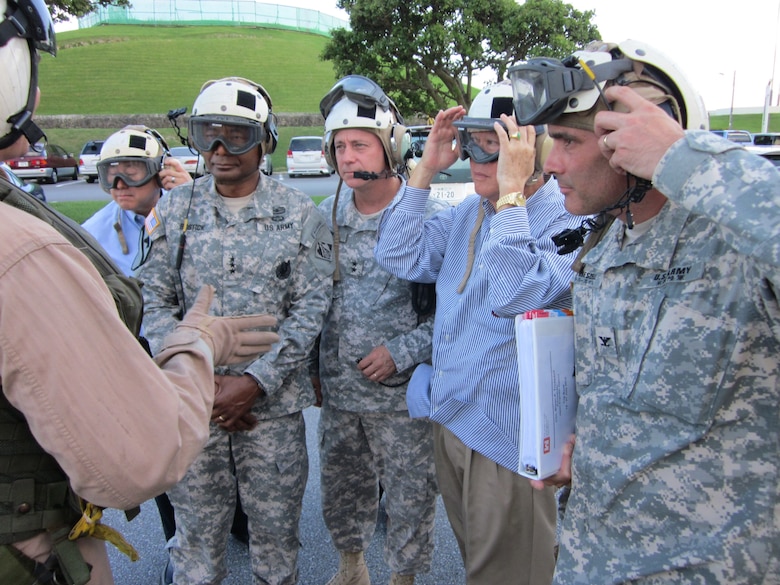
(235, 136)
(359, 89)
(133, 171)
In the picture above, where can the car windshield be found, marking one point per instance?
(458, 172)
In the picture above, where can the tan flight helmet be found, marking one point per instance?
(26, 28)
(236, 102)
(358, 102)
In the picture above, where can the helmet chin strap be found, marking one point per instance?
(569, 240)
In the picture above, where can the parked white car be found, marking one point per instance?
(306, 157)
(88, 158)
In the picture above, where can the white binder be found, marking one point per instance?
(548, 400)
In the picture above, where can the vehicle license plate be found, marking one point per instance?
(452, 193)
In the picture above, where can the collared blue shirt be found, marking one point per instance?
(516, 268)
(102, 227)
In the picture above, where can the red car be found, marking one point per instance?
(46, 162)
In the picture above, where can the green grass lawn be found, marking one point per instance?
(80, 211)
(749, 122)
(73, 139)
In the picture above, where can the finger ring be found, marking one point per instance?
(221, 418)
(604, 140)
(517, 135)
(173, 179)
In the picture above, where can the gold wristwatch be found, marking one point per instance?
(515, 199)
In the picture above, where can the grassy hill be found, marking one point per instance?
(118, 69)
(123, 69)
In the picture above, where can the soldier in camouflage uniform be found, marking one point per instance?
(263, 246)
(371, 342)
(675, 469)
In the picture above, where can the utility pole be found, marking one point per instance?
(770, 87)
(731, 110)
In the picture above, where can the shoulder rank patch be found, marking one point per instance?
(152, 221)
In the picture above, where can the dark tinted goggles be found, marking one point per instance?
(236, 137)
(358, 89)
(133, 171)
(31, 20)
(542, 87)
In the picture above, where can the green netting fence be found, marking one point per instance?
(214, 12)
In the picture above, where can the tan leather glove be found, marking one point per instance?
(232, 339)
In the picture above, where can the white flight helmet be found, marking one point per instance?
(358, 102)
(565, 93)
(132, 144)
(492, 101)
(25, 28)
(487, 107)
(239, 104)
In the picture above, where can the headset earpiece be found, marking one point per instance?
(400, 143)
(273, 133)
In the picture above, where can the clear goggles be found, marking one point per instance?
(236, 136)
(543, 88)
(133, 171)
(478, 139)
(361, 90)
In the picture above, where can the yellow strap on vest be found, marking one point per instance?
(90, 525)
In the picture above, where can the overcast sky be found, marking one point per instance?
(725, 47)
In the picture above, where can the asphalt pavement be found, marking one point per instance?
(317, 560)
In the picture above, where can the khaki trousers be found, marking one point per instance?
(505, 529)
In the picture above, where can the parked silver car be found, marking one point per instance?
(306, 157)
(90, 155)
(192, 162)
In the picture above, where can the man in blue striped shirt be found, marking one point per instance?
(491, 258)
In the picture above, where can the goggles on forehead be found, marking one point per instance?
(236, 136)
(545, 88)
(361, 90)
(478, 140)
(133, 171)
